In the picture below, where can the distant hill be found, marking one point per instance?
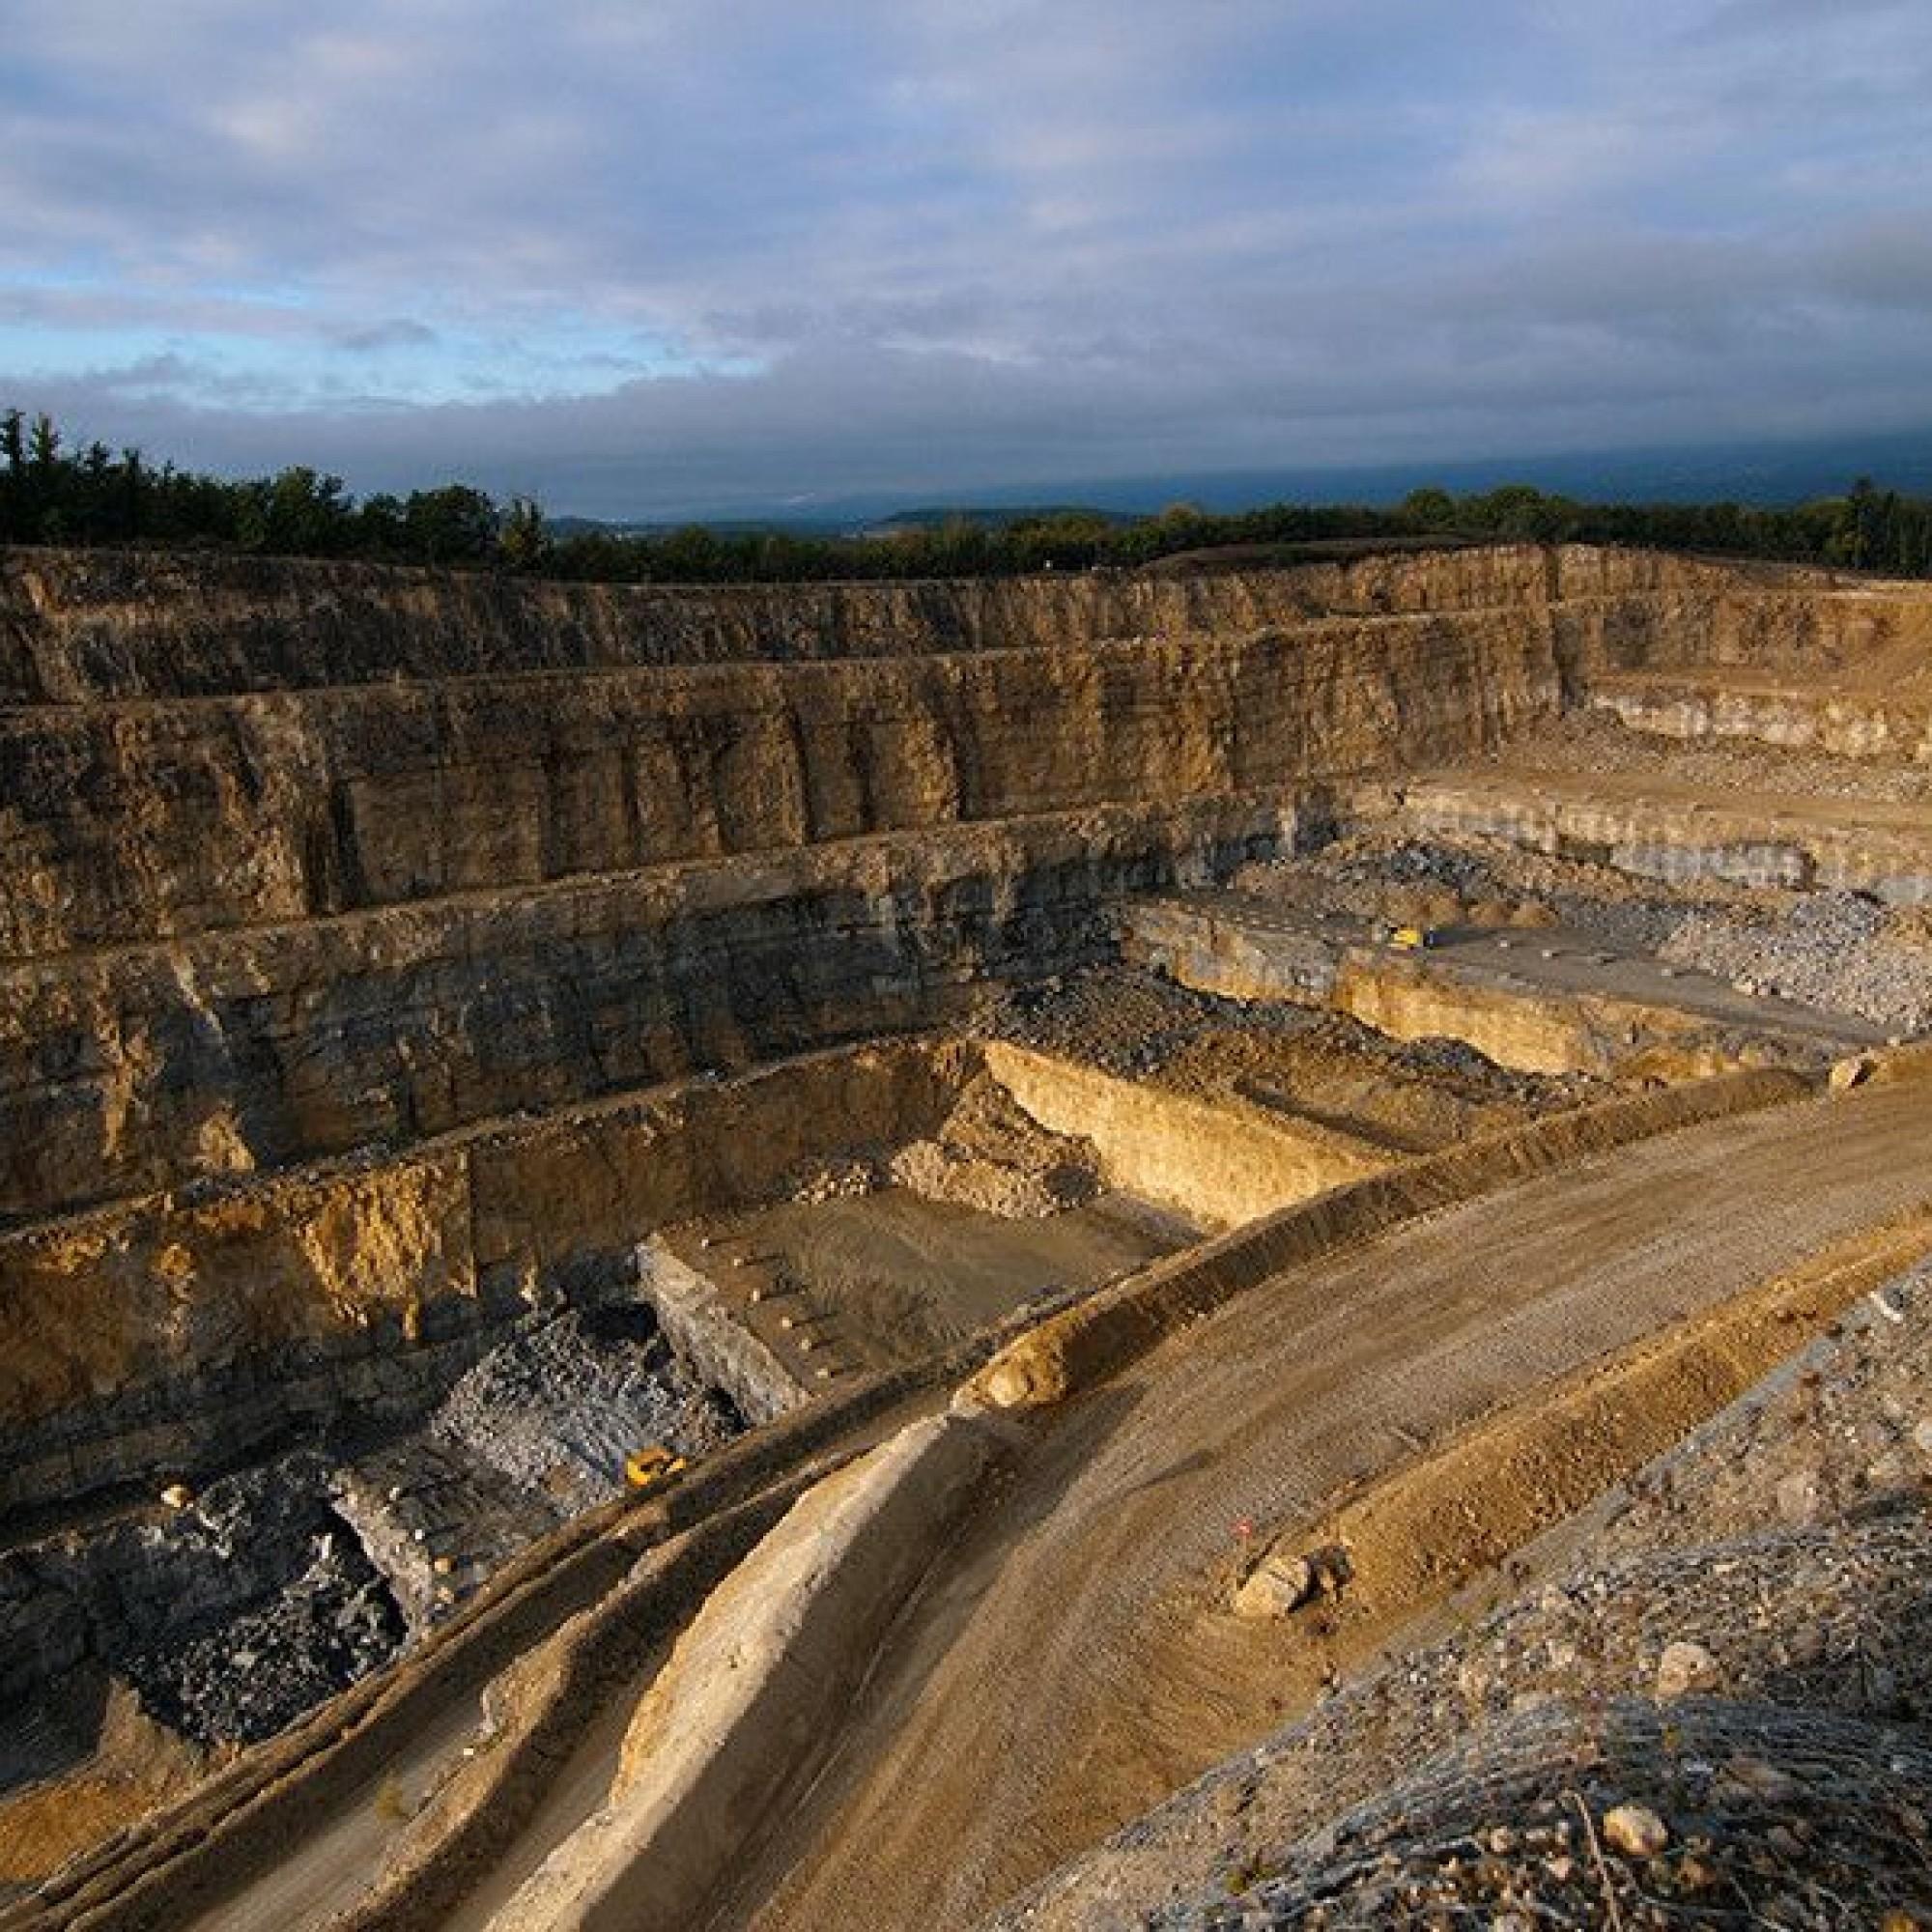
(790, 523)
(987, 518)
(1761, 474)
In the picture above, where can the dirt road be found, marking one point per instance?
(1069, 1667)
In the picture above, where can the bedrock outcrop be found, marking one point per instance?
(157, 1066)
(168, 1333)
(327, 863)
(246, 926)
(87, 626)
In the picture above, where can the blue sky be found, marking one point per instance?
(641, 256)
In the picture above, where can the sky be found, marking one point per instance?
(641, 255)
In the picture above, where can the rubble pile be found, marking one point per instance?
(558, 1408)
(260, 1671)
(1842, 951)
(229, 1616)
(991, 1155)
(1125, 1023)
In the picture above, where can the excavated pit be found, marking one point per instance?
(455, 1033)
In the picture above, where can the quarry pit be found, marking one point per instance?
(1048, 1094)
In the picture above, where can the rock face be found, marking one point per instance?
(167, 1333)
(303, 858)
(269, 808)
(145, 1068)
(84, 627)
(345, 912)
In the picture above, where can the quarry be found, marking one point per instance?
(1276, 1220)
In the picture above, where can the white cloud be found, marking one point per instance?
(882, 242)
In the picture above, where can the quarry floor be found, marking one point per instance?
(1071, 1662)
(884, 1277)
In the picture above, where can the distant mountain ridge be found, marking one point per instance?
(1758, 474)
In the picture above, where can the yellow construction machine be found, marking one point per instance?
(653, 1466)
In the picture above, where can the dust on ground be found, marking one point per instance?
(876, 1279)
(1734, 1646)
(948, 1798)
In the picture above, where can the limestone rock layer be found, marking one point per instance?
(298, 857)
(307, 862)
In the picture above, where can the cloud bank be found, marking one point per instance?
(645, 256)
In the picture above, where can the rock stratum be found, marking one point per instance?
(453, 1028)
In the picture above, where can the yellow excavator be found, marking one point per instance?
(653, 1466)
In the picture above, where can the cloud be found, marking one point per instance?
(725, 251)
(397, 332)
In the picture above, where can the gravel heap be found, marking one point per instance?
(247, 1607)
(1375, 875)
(561, 1406)
(1774, 1818)
(841, 1177)
(990, 1154)
(1461, 870)
(1841, 951)
(1137, 1024)
(259, 1671)
(1126, 1022)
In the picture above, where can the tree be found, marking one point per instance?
(43, 446)
(299, 513)
(452, 525)
(523, 541)
(1431, 508)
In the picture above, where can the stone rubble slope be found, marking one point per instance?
(1742, 1649)
(1839, 950)
(557, 1410)
(991, 1155)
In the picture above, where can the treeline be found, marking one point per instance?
(56, 494)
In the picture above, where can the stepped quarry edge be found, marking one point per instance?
(1007, 1079)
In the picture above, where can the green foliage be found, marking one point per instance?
(296, 514)
(53, 493)
(523, 543)
(452, 525)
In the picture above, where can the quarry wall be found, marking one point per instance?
(315, 862)
(151, 1067)
(1887, 725)
(191, 744)
(1220, 1163)
(169, 1332)
(299, 858)
(129, 822)
(242, 931)
(79, 627)
(1623, 610)
(1878, 847)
